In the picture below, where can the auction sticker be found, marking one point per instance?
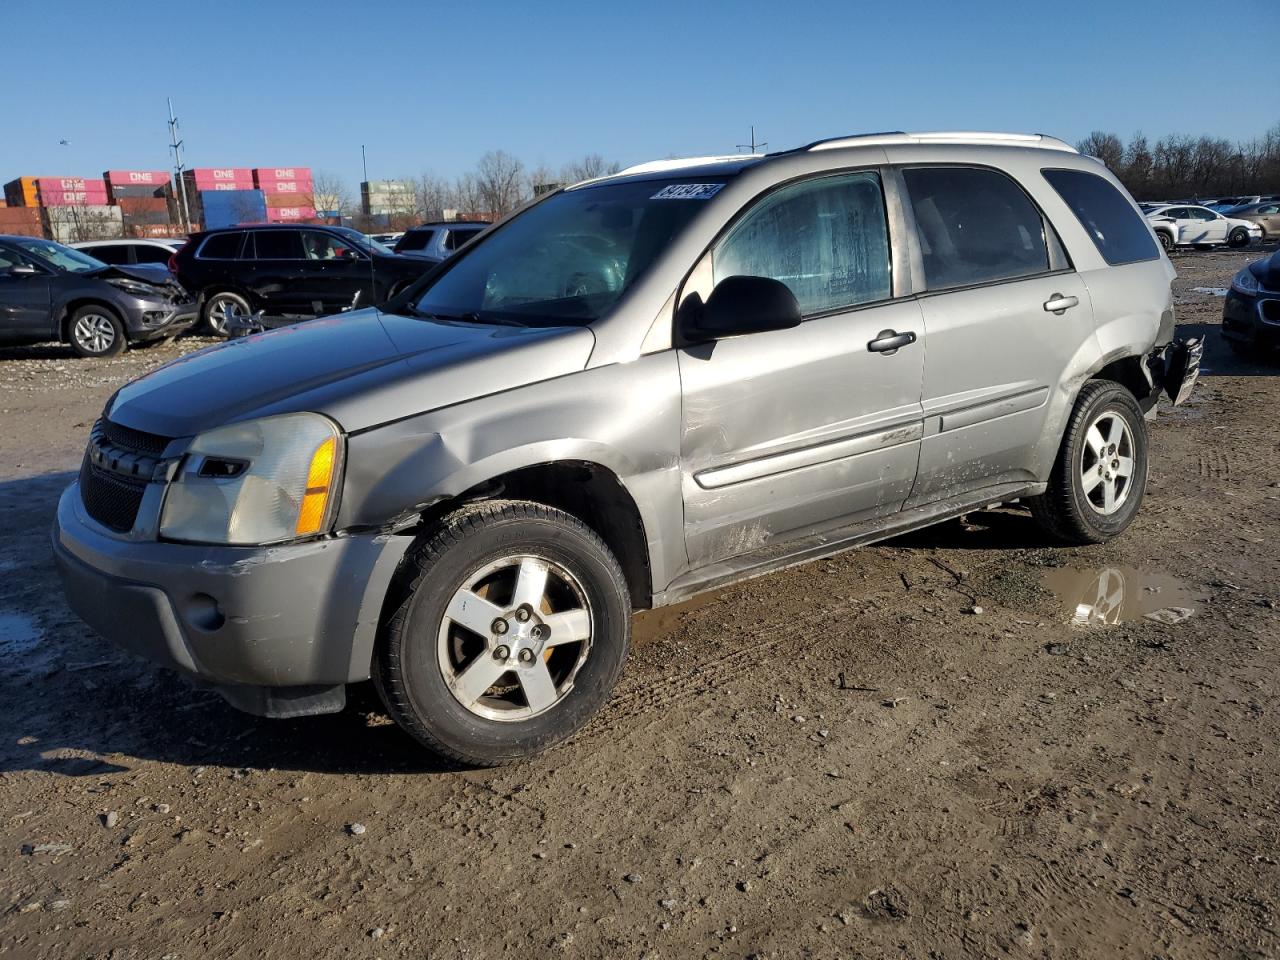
(688, 191)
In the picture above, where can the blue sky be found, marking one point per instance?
(431, 86)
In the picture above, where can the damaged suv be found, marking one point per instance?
(631, 391)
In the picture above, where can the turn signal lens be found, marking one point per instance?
(316, 499)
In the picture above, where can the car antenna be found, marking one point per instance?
(364, 164)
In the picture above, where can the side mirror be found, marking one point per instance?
(22, 270)
(742, 305)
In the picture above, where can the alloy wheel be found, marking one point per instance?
(1106, 463)
(514, 636)
(94, 333)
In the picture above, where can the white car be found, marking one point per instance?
(1184, 225)
(131, 251)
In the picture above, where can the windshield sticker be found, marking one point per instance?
(688, 191)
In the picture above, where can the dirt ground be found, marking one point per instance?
(910, 750)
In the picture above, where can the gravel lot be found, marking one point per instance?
(909, 750)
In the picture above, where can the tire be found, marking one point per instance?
(1166, 240)
(1239, 237)
(472, 567)
(1077, 508)
(219, 308)
(95, 331)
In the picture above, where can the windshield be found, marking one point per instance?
(367, 244)
(58, 256)
(568, 259)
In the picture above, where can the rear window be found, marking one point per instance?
(147, 254)
(415, 240)
(221, 246)
(457, 238)
(1117, 231)
(975, 226)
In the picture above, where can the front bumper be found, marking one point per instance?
(246, 620)
(148, 319)
(1252, 318)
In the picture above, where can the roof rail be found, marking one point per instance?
(943, 136)
(658, 166)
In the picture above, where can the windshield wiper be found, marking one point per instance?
(469, 317)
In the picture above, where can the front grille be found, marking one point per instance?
(134, 441)
(1271, 311)
(111, 500)
(118, 465)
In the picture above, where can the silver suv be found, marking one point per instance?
(633, 390)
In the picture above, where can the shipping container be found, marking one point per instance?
(72, 223)
(295, 187)
(262, 174)
(73, 198)
(219, 174)
(281, 200)
(21, 221)
(226, 208)
(117, 179)
(290, 214)
(70, 185)
(142, 205)
(137, 193)
(22, 192)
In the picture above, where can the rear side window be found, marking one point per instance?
(826, 239)
(415, 240)
(221, 246)
(115, 254)
(145, 254)
(1120, 235)
(278, 244)
(975, 226)
(457, 238)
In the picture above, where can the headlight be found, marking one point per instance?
(263, 481)
(1245, 282)
(135, 287)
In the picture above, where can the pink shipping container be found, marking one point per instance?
(300, 187)
(57, 184)
(72, 198)
(281, 173)
(216, 174)
(137, 178)
(225, 185)
(290, 214)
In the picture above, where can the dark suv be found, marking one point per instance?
(288, 272)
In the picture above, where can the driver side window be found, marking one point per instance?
(827, 239)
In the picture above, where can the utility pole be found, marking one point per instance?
(175, 144)
(752, 145)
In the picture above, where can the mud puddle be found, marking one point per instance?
(650, 625)
(18, 633)
(1112, 595)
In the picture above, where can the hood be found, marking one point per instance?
(154, 273)
(1267, 270)
(362, 369)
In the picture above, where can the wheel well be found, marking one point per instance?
(1127, 371)
(591, 493)
(69, 311)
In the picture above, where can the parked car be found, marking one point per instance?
(386, 239)
(1251, 310)
(1189, 225)
(466, 493)
(126, 252)
(49, 292)
(438, 241)
(288, 272)
(1265, 214)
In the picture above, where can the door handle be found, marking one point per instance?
(1059, 304)
(888, 341)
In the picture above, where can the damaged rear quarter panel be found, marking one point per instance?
(624, 417)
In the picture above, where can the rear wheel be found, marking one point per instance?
(1100, 474)
(223, 310)
(1239, 237)
(95, 331)
(511, 630)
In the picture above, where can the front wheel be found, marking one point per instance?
(511, 630)
(1239, 237)
(1100, 474)
(95, 331)
(1166, 240)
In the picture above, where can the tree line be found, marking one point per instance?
(1178, 166)
(498, 184)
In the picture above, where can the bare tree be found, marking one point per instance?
(1105, 146)
(588, 168)
(435, 196)
(499, 181)
(330, 195)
